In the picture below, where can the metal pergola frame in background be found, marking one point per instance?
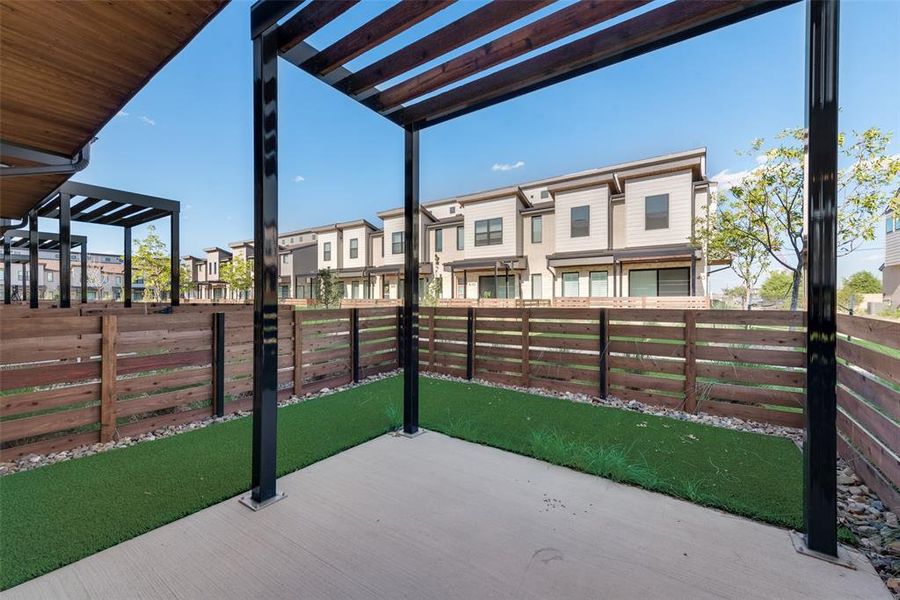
(654, 29)
(20, 238)
(85, 203)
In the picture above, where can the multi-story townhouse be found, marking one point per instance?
(212, 287)
(890, 283)
(297, 270)
(388, 271)
(105, 276)
(622, 230)
(346, 249)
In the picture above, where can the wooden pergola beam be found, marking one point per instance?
(311, 18)
(532, 36)
(658, 28)
(393, 21)
(460, 32)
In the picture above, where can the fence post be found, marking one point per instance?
(108, 373)
(298, 353)
(218, 363)
(470, 343)
(354, 343)
(526, 333)
(690, 362)
(603, 336)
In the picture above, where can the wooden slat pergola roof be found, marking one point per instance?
(69, 67)
(466, 82)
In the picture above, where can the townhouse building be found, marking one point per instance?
(105, 276)
(623, 230)
(890, 270)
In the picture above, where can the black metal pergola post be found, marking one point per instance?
(65, 251)
(410, 330)
(175, 262)
(265, 236)
(820, 447)
(127, 258)
(21, 238)
(33, 271)
(7, 271)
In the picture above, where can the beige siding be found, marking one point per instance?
(537, 256)
(505, 208)
(395, 224)
(596, 197)
(332, 237)
(892, 248)
(445, 210)
(618, 225)
(377, 247)
(359, 234)
(448, 254)
(891, 284)
(680, 190)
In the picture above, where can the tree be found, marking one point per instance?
(96, 278)
(767, 206)
(736, 295)
(238, 274)
(853, 287)
(719, 234)
(777, 287)
(186, 282)
(330, 291)
(432, 292)
(152, 264)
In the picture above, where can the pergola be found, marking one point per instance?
(278, 31)
(20, 238)
(98, 205)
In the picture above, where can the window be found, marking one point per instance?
(284, 259)
(386, 290)
(537, 287)
(397, 242)
(49, 276)
(537, 230)
(581, 221)
(460, 238)
(438, 240)
(656, 212)
(570, 285)
(889, 225)
(489, 232)
(118, 280)
(354, 287)
(599, 284)
(544, 194)
(452, 210)
(354, 248)
(660, 282)
(460, 286)
(503, 286)
(326, 251)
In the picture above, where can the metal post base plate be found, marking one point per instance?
(253, 505)
(401, 433)
(843, 558)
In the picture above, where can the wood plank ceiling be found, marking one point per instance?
(458, 84)
(69, 67)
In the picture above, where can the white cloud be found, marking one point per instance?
(299, 178)
(147, 120)
(122, 113)
(727, 180)
(507, 166)
(762, 159)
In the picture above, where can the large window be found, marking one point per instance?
(489, 232)
(581, 221)
(397, 242)
(537, 287)
(354, 289)
(656, 212)
(503, 286)
(660, 282)
(570, 285)
(460, 238)
(599, 284)
(438, 240)
(326, 251)
(537, 230)
(354, 248)
(460, 286)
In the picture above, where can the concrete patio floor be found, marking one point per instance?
(435, 517)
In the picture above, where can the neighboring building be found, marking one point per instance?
(105, 276)
(890, 270)
(622, 230)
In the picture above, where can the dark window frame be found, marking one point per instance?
(492, 236)
(397, 246)
(573, 232)
(326, 252)
(460, 237)
(540, 234)
(656, 226)
(686, 269)
(438, 240)
(354, 249)
(562, 289)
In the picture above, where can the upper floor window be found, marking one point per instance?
(489, 232)
(326, 251)
(397, 242)
(354, 248)
(656, 212)
(889, 225)
(460, 238)
(581, 221)
(49, 276)
(438, 240)
(284, 259)
(537, 230)
(544, 194)
(452, 210)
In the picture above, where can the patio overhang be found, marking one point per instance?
(516, 263)
(45, 137)
(281, 29)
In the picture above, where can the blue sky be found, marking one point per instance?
(187, 134)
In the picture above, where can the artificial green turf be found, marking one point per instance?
(57, 514)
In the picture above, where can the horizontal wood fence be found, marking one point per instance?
(69, 379)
